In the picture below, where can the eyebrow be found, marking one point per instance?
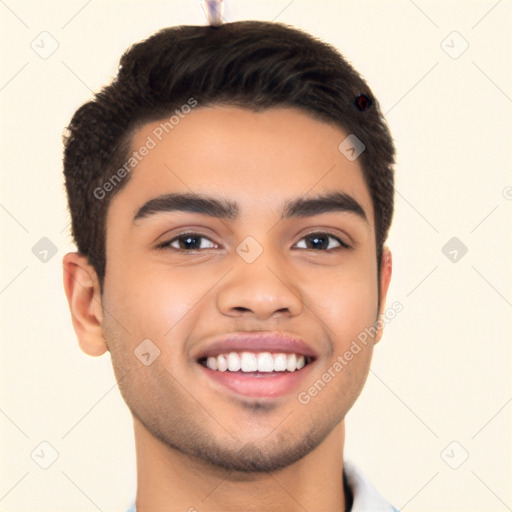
(224, 209)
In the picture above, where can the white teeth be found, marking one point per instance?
(264, 362)
(249, 363)
(291, 363)
(233, 362)
(211, 363)
(222, 364)
(280, 362)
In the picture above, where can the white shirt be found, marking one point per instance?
(365, 496)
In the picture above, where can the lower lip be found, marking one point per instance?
(271, 384)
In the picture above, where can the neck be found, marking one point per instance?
(167, 477)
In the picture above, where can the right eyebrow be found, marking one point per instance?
(187, 202)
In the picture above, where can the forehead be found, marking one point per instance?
(257, 159)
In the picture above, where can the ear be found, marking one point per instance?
(386, 266)
(82, 288)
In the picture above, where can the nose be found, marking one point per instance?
(261, 289)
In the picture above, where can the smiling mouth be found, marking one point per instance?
(268, 375)
(256, 363)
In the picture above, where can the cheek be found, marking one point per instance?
(348, 307)
(346, 301)
(158, 302)
(356, 309)
(149, 307)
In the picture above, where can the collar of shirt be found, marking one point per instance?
(365, 497)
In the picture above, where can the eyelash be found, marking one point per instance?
(167, 245)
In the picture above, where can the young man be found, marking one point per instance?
(231, 192)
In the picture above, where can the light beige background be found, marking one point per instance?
(442, 372)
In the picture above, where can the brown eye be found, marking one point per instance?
(187, 242)
(322, 241)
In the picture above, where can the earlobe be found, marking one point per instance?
(81, 285)
(386, 267)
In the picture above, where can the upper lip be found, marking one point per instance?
(256, 342)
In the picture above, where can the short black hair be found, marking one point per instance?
(255, 65)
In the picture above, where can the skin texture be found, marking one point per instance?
(199, 445)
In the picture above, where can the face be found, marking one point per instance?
(272, 258)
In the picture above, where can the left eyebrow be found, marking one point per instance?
(221, 208)
(332, 202)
